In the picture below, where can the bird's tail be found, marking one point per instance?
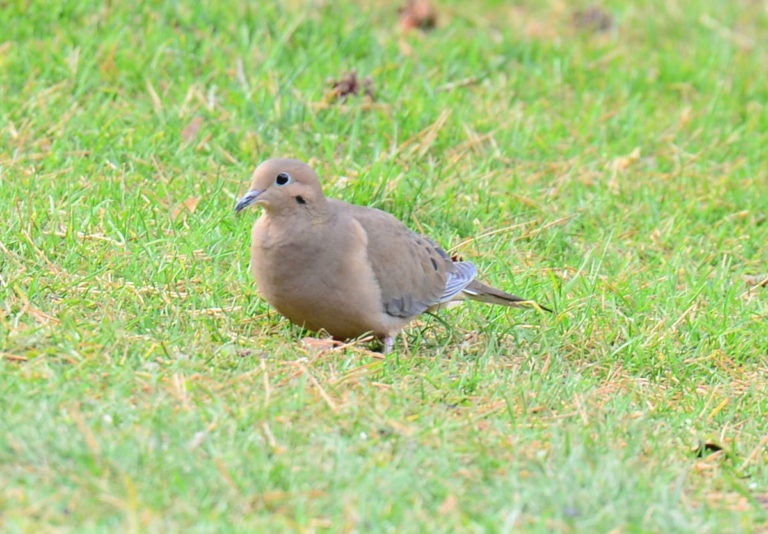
(482, 293)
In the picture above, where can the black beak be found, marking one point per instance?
(249, 198)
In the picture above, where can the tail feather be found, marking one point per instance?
(482, 293)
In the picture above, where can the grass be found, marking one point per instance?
(618, 176)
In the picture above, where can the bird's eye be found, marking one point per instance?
(282, 178)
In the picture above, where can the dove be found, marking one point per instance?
(345, 269)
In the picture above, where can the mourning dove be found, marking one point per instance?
(346, 269)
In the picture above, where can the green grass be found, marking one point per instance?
(145, 387)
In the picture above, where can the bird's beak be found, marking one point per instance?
(249, 198)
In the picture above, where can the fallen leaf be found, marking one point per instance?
(190, 205)
(350, 84)
(417, 15)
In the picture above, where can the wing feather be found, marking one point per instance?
(412, 271)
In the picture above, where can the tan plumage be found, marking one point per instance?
(346, 269)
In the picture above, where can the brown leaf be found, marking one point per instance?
(190, 205)
(189, 132)
(417, 15)
(350, 84)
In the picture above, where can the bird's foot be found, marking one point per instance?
(389, 342)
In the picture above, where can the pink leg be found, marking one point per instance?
(389, 342)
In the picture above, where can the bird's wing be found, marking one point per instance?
(412, 271)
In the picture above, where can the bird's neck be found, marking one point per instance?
(310, 213)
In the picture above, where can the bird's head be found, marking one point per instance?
(282, 186)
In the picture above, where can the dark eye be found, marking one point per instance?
(282, 178)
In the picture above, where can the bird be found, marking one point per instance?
(348, 270)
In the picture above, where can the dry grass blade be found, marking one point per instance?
(755, 454)
(13, 357)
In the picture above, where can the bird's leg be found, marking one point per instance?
(389, 342)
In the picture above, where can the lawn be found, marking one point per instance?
(611, 163)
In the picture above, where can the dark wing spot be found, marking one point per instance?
(434, 263)
(405, 307)
(300, 199)
(440, 252)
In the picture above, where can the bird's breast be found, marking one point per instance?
(319, 279)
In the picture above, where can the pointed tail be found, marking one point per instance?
(482, 293)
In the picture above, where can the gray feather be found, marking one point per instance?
(462, 275)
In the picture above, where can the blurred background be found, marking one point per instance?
(607, 159)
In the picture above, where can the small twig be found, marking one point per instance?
(13, 357)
